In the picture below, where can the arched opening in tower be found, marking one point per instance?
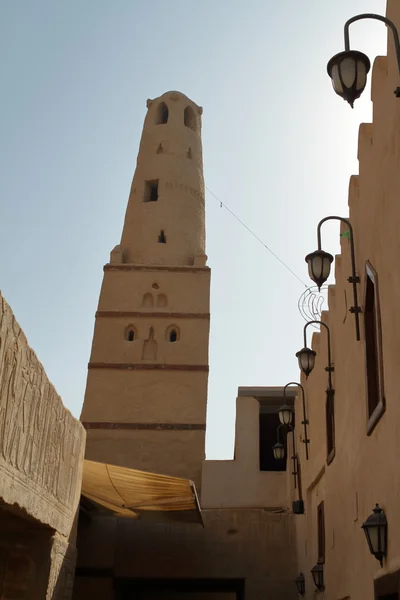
(162, 114)
(190, 118)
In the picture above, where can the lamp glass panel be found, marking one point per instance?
(337, 84)
(285, 416)
(361, 75)
(348, 71)
(372, 533)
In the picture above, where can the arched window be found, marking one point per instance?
(162, 114)
(172, 334)
(190, 118)
(130, 333)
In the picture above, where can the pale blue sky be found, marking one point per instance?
(279, 148)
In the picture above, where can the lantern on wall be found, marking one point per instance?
(301, 584)
(317, 573)
(319, 266)
(279, 451)
(375, 529)
(285, 414)
(348, 71)
(306, 358)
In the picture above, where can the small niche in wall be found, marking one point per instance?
(172, 334)
(160, 149)
(162, 300)
(162, 239)
(151, 191)
(130, 333)
(189, 153)
(148, 301)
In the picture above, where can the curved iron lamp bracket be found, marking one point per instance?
(330, 368)
(354, 278)
(305, 421)
(387, 22)
(294, 457)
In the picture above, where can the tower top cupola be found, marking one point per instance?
(165, 217)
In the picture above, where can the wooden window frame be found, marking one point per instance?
(374, 417)
(321, 532)
(330, 425)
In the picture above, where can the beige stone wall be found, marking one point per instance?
(41, 444)
(254, 545)
(239, 483)
(364, 470)
(41, 458)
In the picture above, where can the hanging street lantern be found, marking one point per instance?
(317, 573)
(279, 451)
(319, 266)
(285, 414)
(348, 71)
(306, 358)
(301, 584)
(375, 529)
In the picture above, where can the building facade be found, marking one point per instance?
(355, 440)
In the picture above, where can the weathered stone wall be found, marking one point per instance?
(41, 459)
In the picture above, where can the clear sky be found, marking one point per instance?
(279, 148)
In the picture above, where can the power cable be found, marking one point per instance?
(223, 205)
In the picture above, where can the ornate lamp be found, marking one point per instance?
(285, 414)
(375, 529)
(348, 70)
(279, 451)
(319, 266)
(317, 573)
(301, 584)
(306, 358)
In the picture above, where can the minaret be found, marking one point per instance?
(146, 392)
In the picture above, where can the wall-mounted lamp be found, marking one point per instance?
(375, 529)
(319, 267)
(303, 356)
(305, 421)
(348, 70)
(301, 584)
(317, 573)
(279, 449)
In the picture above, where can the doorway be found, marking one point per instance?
(179, 589)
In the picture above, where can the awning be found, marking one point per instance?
(138, 494)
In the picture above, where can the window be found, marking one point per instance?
(330, 425)
(130, 333)
(151, 191)
(172, 334)
(321, 532)
(161, 238)
(162, 114)
(373, 350)
(190, 118)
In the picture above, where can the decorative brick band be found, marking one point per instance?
(165, 315)
(147, 367)
(129, 267)
(146, 426)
